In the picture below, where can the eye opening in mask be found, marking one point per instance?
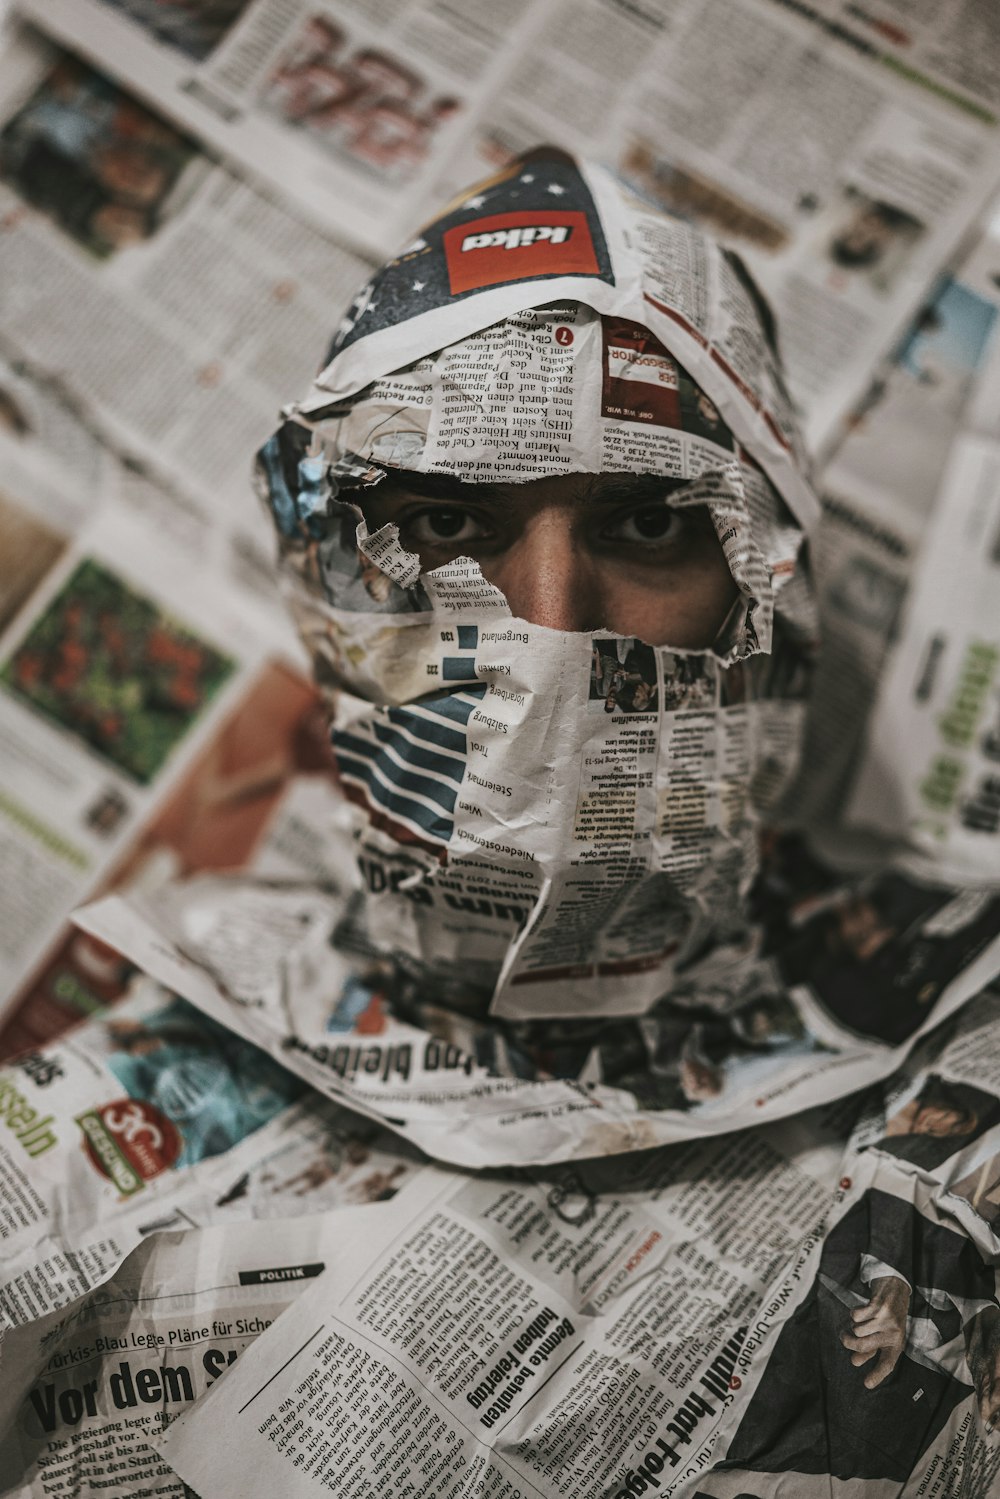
(576, 552)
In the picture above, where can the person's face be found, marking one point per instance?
(572, 552)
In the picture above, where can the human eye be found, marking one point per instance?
(651, 524)
(442, 526)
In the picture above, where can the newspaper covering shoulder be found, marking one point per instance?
(151, 1116)
(630, 1354)
(565, 1328)
(833, 1014)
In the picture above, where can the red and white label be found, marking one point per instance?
(518, 247)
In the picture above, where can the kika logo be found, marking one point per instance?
(514, 239)
(479, 254)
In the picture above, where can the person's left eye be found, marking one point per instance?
(650, 525)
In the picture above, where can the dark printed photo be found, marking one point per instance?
(877, 959)
(689, 682)
(938, 1122)
(694, 1063)
(640, 380)
(111, 667)
(92, 159)
(872, 239)
(623, 675)
(194, 27)
(900, 1327)
(357, 102)
(700, 415)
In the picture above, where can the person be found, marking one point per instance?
(871, 231)
(533, 556)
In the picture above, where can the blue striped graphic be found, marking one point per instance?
(408, 763)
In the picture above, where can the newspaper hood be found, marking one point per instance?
(554, 822)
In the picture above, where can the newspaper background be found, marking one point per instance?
(790, 129)
(175, 1343)
(170, 441)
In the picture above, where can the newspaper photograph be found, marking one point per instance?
(254, 793)
(111, 677)
(123, 232)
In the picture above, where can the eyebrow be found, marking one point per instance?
(602, 489)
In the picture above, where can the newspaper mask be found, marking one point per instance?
(561, 823)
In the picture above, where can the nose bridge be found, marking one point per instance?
(548, 576)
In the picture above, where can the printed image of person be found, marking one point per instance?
(900, 1326)
(215, 1087)
(873, 239)
(359, 103)
(394, 138)
(700, 416)
(878, 957)
(309, 87)
(623, 675)
(940, 1120)
(194, 27)
(690, 684)
(93, 160)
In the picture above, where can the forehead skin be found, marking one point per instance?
(575, 552)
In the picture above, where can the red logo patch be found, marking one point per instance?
(641, 382)
(517, 246)
(130, 1142)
